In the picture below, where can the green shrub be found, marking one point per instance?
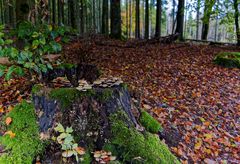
(136, 147)
(26, 145)
(228, 59)
(149, 122)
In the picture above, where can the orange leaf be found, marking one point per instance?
(1, 109)
(80, 150)
(12, 135)
(237, 139)
(8, 120)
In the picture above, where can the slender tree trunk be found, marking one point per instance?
(127, 18)
(173, 15)
(116, 19)
(1, 9)
(72, 13)
(236, 16)
(206, 17)
(180, 19)
(81, 18)
(59, 12)
(130, 23)
(146, 19)
(216, 25)
(54, 12)
(158, 19)
(198, 19)
(94, 15)
(105, 17)
(137, 19)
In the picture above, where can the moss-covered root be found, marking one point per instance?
(25, 145)
(150, 123)
(135, 147)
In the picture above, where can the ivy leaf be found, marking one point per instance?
(59, 128)
(69, 130)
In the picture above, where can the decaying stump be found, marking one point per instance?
(85, 108)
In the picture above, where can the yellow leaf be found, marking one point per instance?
(10, 133)
(8, 120)
(1, 109)
(208, 136)
(198, 145)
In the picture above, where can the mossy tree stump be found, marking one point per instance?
(102, 119)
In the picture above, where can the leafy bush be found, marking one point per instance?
(25, 144)
(37, 41)
(228, 59)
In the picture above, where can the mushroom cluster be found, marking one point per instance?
(103, 156)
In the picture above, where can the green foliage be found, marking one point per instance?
(149, 122)
(67, 142)
(228, 59)
(136, 147)
(38, 40)
(67, 95)
(24, 147)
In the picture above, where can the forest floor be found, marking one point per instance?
(197, 102)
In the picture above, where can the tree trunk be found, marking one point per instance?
(158, 19)
(130, 21)
(81, 18)
(173, 15)
(137, 19)
(146, 19)
(54, 11)
(180, 19)
(127, 19)
(72, 14)
(236, 16)
(59, 12)
(198, 18)
(206, 17)
(116, 19)
(105, 25)
(22, 10)
(94, 15)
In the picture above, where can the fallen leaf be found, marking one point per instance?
(80, 150)
(8, 120)
(10, 133)
(67, 153)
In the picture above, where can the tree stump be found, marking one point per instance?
(103, 117)
(86, 111)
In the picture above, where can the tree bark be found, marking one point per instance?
(180, 19)
(116, 30)
(105, 25)
(198, 19)
(206, 17)
(146, 19)
(158, 19)
(22, 10)
(72, 14)
(236, 16)
(137, 19)
(54, 12)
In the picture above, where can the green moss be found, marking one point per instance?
(124, 85)
(66, 96)
(228, 59)
(36, 88)
(150, 123)
(136, 147)
(26, 145)
(67, 66)
(105, 95)
(87, 159)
